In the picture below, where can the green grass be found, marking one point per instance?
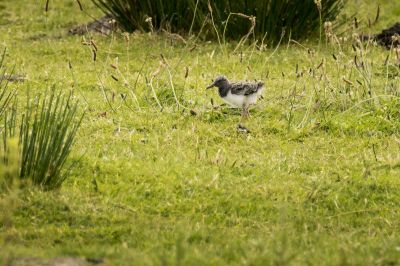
(316, 181)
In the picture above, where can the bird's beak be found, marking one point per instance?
(209, 87)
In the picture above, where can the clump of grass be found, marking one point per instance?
(295, 19)
(47, 132)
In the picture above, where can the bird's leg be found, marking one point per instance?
(245, 113)
(248, 111)
(245, 116)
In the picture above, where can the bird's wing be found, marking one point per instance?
(245, 88)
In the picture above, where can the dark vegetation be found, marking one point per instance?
(270, 19)
(389, 37)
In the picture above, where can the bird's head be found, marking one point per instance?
(219, 82)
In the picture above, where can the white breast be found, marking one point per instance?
(235, 100)
(240, 100)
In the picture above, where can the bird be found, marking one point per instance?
(240, 94)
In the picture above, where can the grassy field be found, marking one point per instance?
(168, 180)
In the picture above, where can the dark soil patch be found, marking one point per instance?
(60, 261)
(105, 25)
(389, 37)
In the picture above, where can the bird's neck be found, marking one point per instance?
(223, 90)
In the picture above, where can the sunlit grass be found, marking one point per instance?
(315, 182)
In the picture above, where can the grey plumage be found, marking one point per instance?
(245, 88)
(236, 88)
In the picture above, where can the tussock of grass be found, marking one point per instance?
(267, 20)
(47, 131)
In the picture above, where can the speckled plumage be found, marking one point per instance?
(248, 92)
